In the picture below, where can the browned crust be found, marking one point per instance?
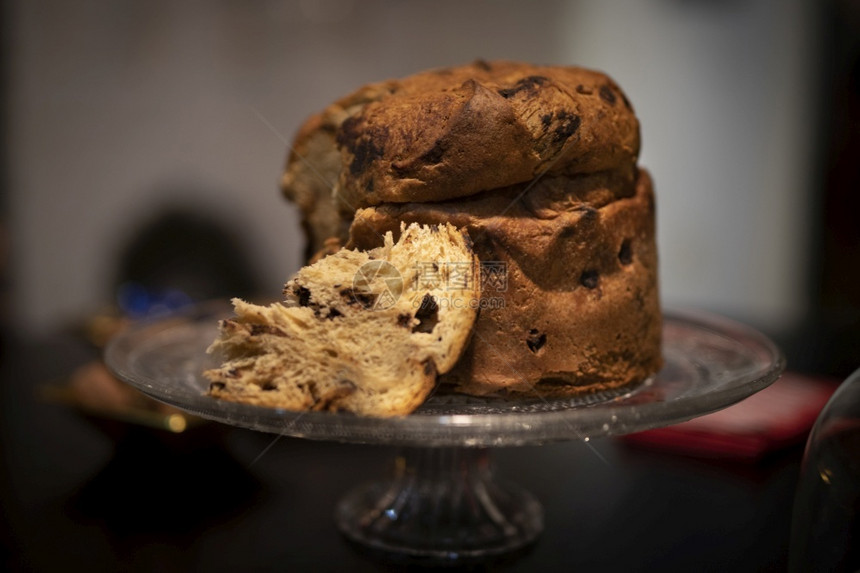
(459, 131)
(313, 169)
(454, 132)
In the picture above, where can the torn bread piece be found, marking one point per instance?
(360, 331)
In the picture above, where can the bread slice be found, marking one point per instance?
(361, 331)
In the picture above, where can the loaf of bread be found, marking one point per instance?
(539, 165)
(359, 331)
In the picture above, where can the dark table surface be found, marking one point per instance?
(82, 494)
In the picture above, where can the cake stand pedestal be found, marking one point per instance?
(443, 503)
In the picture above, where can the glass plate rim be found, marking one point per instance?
(578, 421)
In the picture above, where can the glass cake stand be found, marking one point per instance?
(443, 503)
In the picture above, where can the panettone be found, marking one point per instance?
(539, 165)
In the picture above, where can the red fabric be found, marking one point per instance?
(780, 415)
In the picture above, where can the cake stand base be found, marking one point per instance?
(442, 505)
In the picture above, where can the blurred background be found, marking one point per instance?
(119, 111)
(143, 142)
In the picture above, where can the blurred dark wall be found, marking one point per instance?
(116, 105)
(829, 341)
(7, 551)
(4, 166)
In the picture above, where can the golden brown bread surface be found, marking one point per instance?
(456, 132)
(539, 165)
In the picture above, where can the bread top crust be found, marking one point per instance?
(455, 132)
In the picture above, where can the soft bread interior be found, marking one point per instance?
(361, 331)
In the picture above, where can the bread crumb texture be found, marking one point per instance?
(364, 331)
